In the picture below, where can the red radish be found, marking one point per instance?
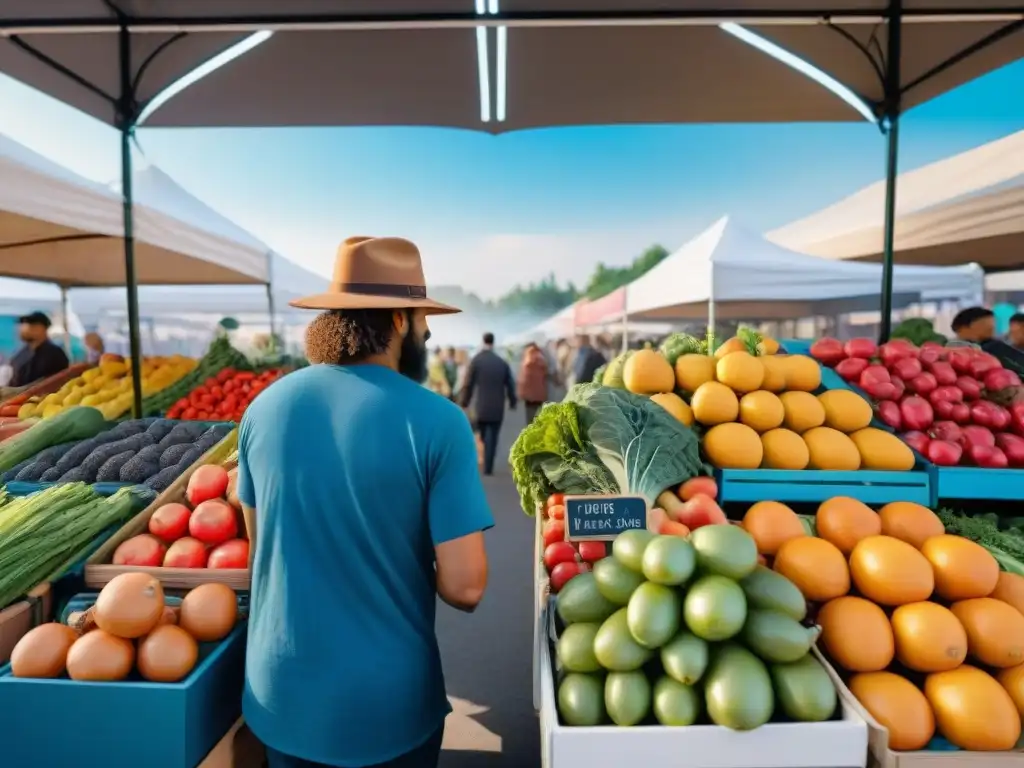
(862, 348)
(230, 554)
(974, 434)
(923, 384)
(907, 368)
(592, 551)
(934, 347)
(982, 364)
(944, 409)
(983, 413)
(892, 351)
(699, 511)
(946, 430)
(988, 456)
(946, 392)
(207, 482)
(929, 355)
(556, 512)
(851, 368)
(143, 549)
(558, 552)
(900, 386)
(917, 440)
(944, 453)
(889, 413)
(874, 374)
(562, 573)
(555, 499)
(1001, 418)
(1013, 447)
(186, 553)
(170, 522)
(1001, 378)
(970, 387)
(554, 530)
(960, 413)
(213, 522)
(943, 372)
(828, 351)
(701, 484)
(917, 413)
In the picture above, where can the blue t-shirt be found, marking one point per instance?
(356, 473)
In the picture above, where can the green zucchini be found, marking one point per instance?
(76, 423)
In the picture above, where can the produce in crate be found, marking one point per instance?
(953, 405)
(205, 533)
(151, 452)
(130, 627)
(43, 534)
(729, 640)
(919, 620)
(108, 386)
(223, 397)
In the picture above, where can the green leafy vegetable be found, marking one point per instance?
(641, 445)
(676, 345)
(983, 530)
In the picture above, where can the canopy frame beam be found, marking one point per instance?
(891, 126)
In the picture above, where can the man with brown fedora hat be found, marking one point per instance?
(363, 500)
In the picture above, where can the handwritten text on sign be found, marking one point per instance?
(603, 517)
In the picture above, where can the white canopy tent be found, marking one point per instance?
(965, 208)
(61, 228)
(559, 326)
(727, 271)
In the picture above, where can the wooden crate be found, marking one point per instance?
(99, 571)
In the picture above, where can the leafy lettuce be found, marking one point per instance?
(602, 440)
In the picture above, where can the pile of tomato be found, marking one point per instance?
(223, 397)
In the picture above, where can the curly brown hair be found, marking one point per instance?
(348, 336)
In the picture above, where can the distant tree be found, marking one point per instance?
(607, 279)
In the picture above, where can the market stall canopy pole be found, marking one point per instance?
(891, 125)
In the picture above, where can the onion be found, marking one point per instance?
(101, 657)
(209, 612)
(43, 651)
(130, 605)
(167, 654)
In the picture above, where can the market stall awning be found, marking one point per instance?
(520, 64)
(966, 208)
(596, 311)
(747, 277)
(58, 227)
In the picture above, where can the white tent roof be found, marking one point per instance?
(747, 277)
(969, 207)
(558, 326)
(58, 227)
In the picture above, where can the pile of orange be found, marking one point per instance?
(926, 628)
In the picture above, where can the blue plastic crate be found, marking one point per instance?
(816, 485)
(977, 483)
(795, 346)
(127, 724)
(22, 488)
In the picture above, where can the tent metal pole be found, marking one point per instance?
(126, 122)
(892, 129)
(64, 319)
(271, 307)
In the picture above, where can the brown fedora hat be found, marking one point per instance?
(376, 273)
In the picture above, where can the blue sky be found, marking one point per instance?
(492, 211)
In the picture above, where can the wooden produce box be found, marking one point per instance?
(99, 570)
(41, 388)
(18, 618)
(238, 749)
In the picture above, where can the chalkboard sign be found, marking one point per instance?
(602, 518)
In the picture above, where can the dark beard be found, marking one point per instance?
(412, 362)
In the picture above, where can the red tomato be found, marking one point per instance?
(695, 485)
(701, 510)
(554, 530)
(170, 522)
(555, 498)
(592, 551)
(213, 522)
(670, 527)
(186, 553)
(230, 554)
(226, 374)
(189, 414)
(207, 482)
(558, 552)
(562, 573)
(140, 550)
(556, 511)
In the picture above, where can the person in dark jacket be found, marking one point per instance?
(40, 357)
(490, 380)
(587, 361)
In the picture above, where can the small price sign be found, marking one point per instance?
(602, 518)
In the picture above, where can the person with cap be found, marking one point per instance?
(39, 358)
(363, 501)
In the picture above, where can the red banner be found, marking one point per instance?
(607, 308)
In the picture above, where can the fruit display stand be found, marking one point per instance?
(841, 743)
(126, 723)
(99, 569)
